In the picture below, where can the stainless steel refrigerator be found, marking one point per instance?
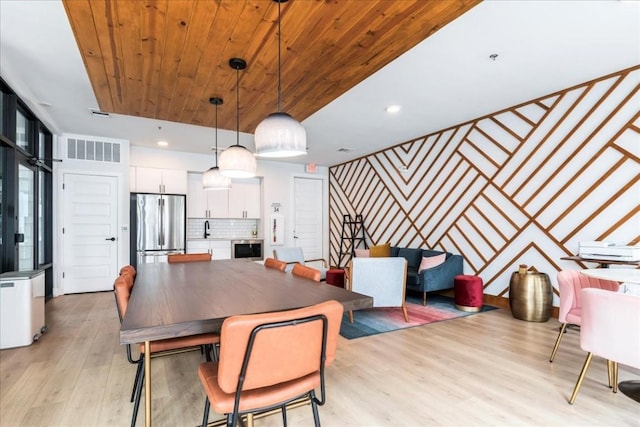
(160, 226)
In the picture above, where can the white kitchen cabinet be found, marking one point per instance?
(219, 249)
(245, 198)
(205, 204)
(156, 180)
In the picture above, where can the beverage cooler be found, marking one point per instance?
(21, 308)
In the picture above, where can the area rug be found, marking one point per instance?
(380, 320)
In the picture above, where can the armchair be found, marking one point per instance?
(382, 278)
(295, 256)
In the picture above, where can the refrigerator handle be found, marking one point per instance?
(161, 222)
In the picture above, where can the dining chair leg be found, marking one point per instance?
(205, 417)
(136, 403)
(614, 375)
(580, 378)
(284, 415)
(135, 381)
(557, 344)
(610, 373)
(424, 299)
(314, 408)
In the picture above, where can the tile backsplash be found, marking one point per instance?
(223, 228)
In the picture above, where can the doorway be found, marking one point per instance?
(308, 216)
(89, 233)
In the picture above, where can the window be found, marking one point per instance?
(23, 132)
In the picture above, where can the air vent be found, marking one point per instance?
(92, 150)
(98, 113)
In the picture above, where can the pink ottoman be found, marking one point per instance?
(468, 292)
(335, 277)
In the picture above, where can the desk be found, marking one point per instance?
(622, 275)
(603, 263)
(175, 300)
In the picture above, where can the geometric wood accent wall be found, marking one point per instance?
(521, 186)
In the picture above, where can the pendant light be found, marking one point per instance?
(212, 179)
(237, 161)
(280, 135)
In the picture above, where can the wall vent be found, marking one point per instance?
(92, 150)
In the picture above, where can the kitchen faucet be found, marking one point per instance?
(206, 229)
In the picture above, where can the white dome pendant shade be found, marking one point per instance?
(237, 161)
(212, 179)
(280, 135)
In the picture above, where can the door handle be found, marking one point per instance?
(113, 239)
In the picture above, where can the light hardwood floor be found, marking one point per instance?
(487, 369)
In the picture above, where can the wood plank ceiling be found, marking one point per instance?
(164, 59)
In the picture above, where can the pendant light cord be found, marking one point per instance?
(279, 32)
(237, 106)
(216, 135)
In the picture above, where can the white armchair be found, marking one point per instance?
(384, 279)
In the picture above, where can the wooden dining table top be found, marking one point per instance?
(174, 300)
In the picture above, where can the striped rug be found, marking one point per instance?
(379, 320)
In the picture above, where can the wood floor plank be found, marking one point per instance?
(487, 369)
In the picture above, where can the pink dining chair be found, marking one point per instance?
(610, 329)
(570, 283)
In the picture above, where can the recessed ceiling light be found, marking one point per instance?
(162, 143)
(493, 56)
(393, 109)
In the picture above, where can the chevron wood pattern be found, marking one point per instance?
(520, 186)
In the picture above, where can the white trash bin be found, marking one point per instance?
(21, 308)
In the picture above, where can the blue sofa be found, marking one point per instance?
(433, 279)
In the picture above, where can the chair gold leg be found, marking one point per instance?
(580, 378)
(404, 311)
(557, 344)
(614, 370)
(610, 373)
(424, 298)
(350, 316)
(249, 420)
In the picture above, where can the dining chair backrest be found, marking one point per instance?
(122, 288)
(129, 269)
(277, 346)
(275, 264)
(570, 283)
(611, 326)
(306, 272)
(176, 258)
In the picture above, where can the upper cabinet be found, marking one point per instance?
(156, 180)
(205, 204)
(245, 198)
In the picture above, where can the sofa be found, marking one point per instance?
(431, 279)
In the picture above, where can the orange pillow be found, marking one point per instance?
(379, 251)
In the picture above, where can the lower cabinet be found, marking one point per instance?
(219, 249)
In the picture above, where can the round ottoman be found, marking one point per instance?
(335, 277)
(468, 292)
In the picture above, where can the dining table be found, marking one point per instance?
(184, 299)
(629, 278)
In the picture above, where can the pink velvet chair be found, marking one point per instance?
(610, 329)
(570, 283)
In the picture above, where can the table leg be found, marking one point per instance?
(147, 384)
(630, 389)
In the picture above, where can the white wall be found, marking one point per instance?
(277, 185)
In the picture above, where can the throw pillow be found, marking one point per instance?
(431, 261)
(362, 253)
(379, 251)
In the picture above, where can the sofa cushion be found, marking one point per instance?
(431, 261)
(380, 251)
(362, 253)
(413, 256)
(394, 250)
(413, 278)
(430, 252)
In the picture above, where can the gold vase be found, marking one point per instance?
(530, 296)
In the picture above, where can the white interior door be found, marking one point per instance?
(308, 216)
(90, 247)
